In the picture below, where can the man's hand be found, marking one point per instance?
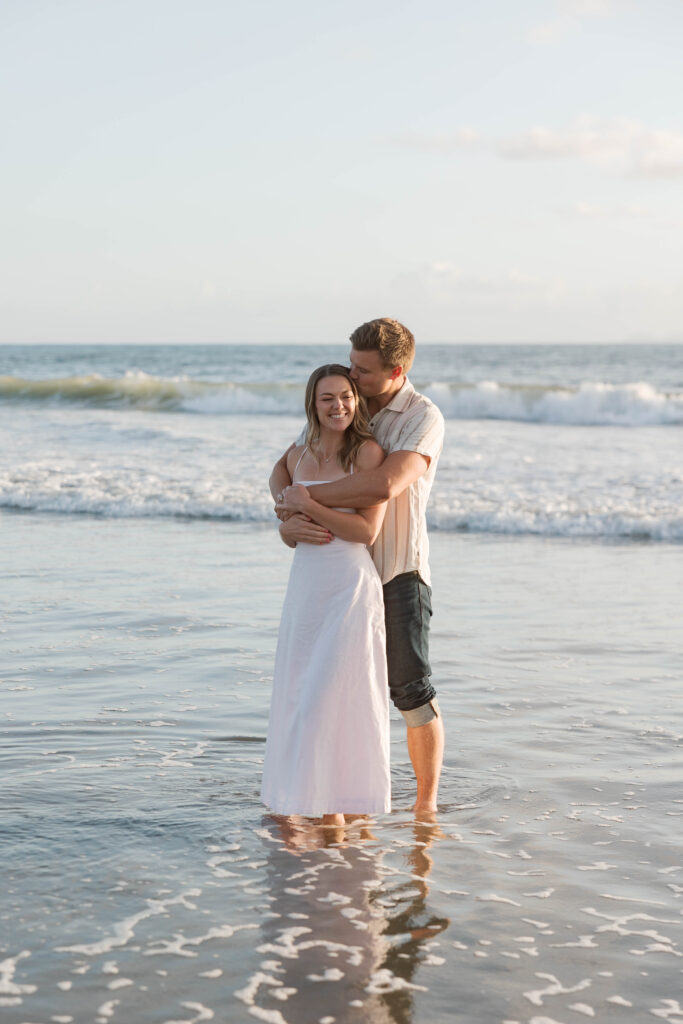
(300, 529)
(292, 499)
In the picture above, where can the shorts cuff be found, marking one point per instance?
(422, 716)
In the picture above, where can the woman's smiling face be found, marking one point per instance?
(335, 403)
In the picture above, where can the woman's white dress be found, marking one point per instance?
(328, 733)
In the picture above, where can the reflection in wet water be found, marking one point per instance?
(142, 883)
(339, 914)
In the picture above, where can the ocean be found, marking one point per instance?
(549, 440)
(142, 579)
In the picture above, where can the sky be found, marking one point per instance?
(214, 171)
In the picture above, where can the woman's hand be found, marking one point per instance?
(301, 529)
(294, 499)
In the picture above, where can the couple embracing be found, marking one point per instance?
(355, 625)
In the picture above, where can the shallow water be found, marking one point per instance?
(144, 882)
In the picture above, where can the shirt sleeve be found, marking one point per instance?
(423, 432)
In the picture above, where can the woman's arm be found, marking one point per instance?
(300, 529)
(297, 529)
(361, 526)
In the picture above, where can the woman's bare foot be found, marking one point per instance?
(333, 820)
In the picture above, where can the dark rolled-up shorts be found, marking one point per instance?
(407, 614)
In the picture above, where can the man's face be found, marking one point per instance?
(372, 377)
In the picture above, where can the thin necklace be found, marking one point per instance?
(328, 457)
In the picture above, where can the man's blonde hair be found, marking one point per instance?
(393, 341)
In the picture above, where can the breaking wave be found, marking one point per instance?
(592, 404)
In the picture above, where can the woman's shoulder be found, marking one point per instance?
(370, 455)
(295, 455)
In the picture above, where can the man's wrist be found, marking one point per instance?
(308, 507)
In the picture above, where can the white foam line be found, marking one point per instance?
(657, 947)
(125, 930)
(661, 944)
(7, 970)
(632, 899)
(584, 942)
(311, 873)
(335, 898)
(555, 988)
(203, 1013)
(672, 1008)
(493, 898)
(289, 949)
(177, 944)
(541, 925)
(269, 1016)
(386, 981)
(106, 1010)
(248, 995)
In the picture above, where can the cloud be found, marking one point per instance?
(446, 142)
(619, 211)
(622, 145)
(443, 281)
(569, 17)
(446, 303)
(622, 215)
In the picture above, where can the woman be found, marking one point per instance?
(327, 751)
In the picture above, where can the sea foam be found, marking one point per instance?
(591, 404)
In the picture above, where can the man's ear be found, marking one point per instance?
(396, 372)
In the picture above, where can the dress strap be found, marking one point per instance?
(299, 460)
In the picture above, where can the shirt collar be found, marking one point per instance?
(402, 398)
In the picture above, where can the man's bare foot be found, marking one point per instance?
(426, 813)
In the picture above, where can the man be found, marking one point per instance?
(410, 429)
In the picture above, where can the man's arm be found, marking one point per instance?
(361, 525)
(367, 488)
(280, 478)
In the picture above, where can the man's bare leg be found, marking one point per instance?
(425, 747)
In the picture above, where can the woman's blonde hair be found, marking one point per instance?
(356, 434)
